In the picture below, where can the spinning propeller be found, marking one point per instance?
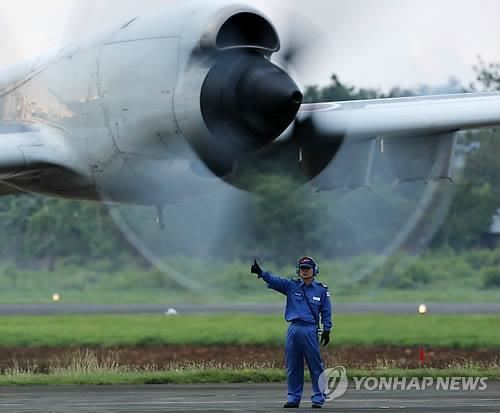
(264, 181)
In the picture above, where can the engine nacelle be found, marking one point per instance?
(231, 100)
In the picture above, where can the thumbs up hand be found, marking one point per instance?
(255, 269)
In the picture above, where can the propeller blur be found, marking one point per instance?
(189, 110)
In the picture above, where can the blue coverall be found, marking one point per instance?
(302, 338)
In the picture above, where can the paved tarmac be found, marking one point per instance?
(234, 398)
(260, 308)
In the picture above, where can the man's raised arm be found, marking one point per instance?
(274, 282)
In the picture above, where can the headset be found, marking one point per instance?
(310, 261)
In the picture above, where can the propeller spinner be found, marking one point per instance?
(247, 102)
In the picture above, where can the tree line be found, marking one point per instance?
(37, 231)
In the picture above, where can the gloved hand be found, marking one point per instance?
(256, 269)
(325, 338)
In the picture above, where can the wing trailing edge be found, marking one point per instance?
(28, 153)
(395, 140)
(24, 149)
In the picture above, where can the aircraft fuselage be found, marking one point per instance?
(122, 103)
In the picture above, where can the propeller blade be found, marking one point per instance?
(295, 197)
(300, 39)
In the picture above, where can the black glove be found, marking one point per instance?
(325, 338)
(256, 269)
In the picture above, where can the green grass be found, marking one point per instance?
(466, 331)
(216, 376)
(169, 297)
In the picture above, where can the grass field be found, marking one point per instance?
(62, 331)
(168, 297)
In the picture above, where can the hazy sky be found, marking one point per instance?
(374, 43)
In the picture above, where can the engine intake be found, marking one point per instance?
(247, 30)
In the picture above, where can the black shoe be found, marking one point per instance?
(291, 406)
(316, 406)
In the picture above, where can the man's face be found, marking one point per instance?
(306, 272)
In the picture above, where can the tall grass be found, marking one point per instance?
(85, 367)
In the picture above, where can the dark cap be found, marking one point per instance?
(306, 262)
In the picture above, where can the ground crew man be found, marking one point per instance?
(306, 301)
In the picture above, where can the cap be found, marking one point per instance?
(306, 262)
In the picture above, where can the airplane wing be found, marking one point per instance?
(27, 152)
(406, 116)
(404, 138)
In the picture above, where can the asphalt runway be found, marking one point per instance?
(234, 398)
(260, 308)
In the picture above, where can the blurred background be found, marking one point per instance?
(412, 241)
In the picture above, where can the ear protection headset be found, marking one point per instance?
(308, 261)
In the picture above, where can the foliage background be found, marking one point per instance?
(42, 238)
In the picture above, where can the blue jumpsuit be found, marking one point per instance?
(302, 339)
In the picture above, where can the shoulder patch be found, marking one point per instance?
(323, 285)
(297, 280)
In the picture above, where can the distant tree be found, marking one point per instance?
(35, 228)
(39, 229)
(477, 196)
(339, 91)
(488, 75)
(478, 193)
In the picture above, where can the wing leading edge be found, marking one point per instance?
(415, 116)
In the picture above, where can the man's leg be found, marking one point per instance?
(295, 364)
(316, 367)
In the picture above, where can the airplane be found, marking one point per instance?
(166, 107)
